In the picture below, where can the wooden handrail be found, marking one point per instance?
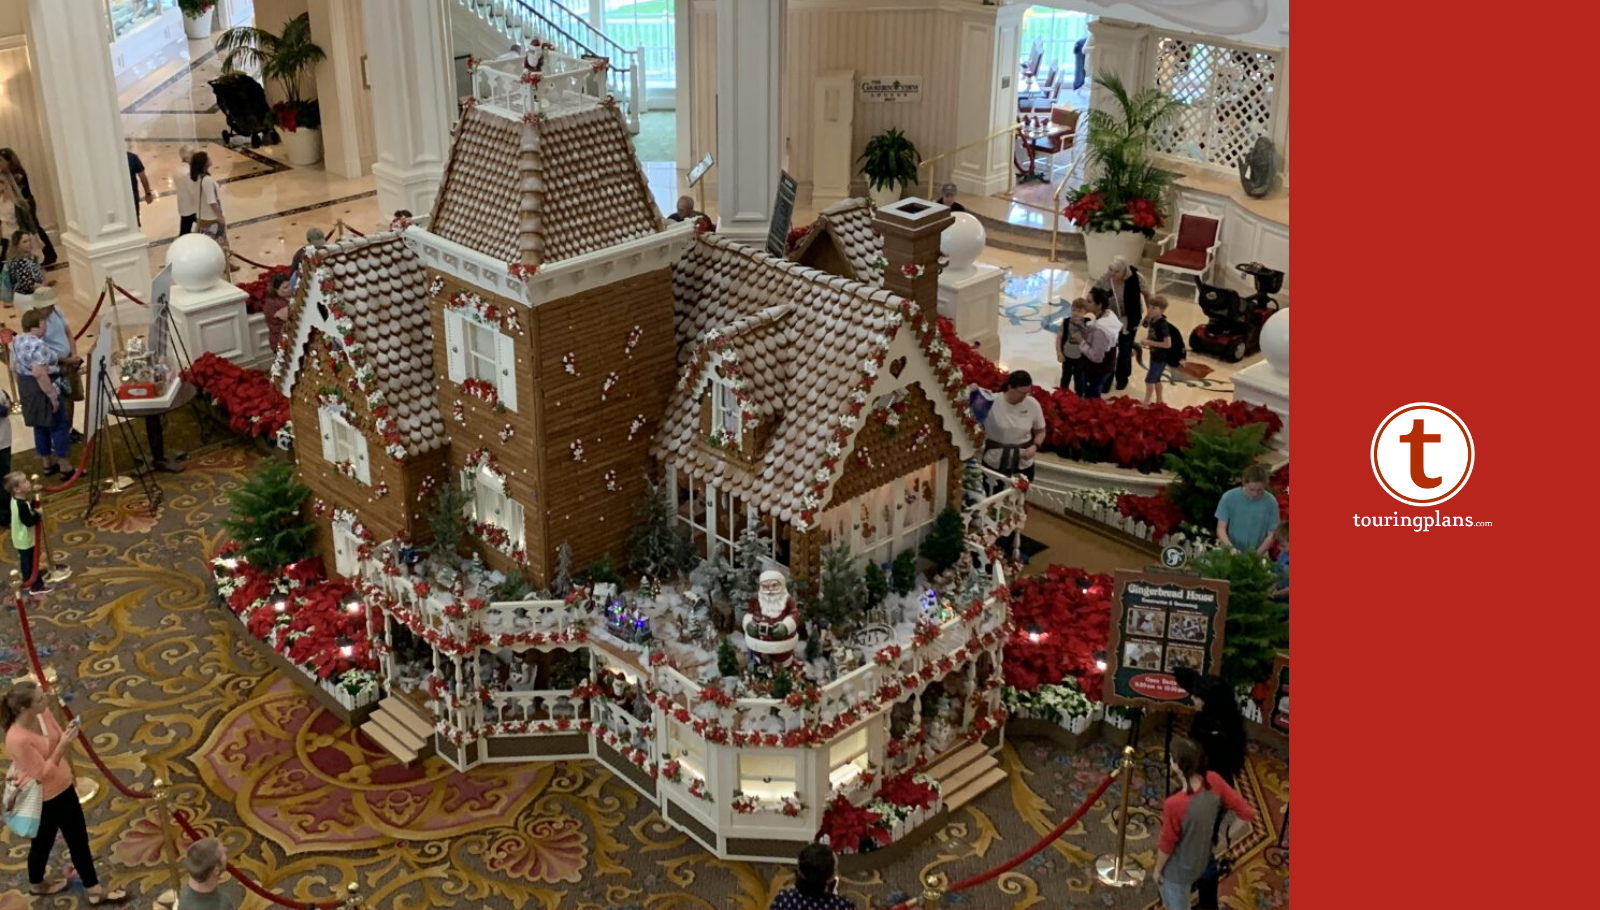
(927, 162)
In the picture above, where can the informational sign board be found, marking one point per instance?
(99, 362)
(1160, 622)
(880, 89)
(699, 170)
(1276, 709)
(160, 309)
(782, 216)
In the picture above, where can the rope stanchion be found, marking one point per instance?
(1113, 870)
(255, 888)
(169, 844)
(250, 262)
(92, 314)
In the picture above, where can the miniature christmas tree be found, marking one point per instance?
(267, 521)
(449, 520)
(782, 683)
(903, 574)
(877, 585)
(562, 583)
(750, 557)
(602, 571)
(657, 545)
(1211, 465)
(727, 659)
(945, 541)
(1256, 628)
(841, 595)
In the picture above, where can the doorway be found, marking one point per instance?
(1052, 103)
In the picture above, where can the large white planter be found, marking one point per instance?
(198, 28)
(1103, 246)
(303, 145)
(880, 198)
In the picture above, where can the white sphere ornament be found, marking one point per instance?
(1275, 341)
(198, 263)
(963, 241)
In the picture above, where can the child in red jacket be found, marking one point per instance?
(1188, 821)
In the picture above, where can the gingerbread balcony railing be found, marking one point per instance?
(997, 509)
(506, 82)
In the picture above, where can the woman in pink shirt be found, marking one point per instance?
(38, 748)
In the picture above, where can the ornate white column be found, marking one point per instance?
(413, 100)
(1116, 47)
(749, 115)
(986, 99)
(72, 63)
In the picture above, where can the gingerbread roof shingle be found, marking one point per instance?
(381, 287)
(538, 190)
(801, 340)
(847, 224)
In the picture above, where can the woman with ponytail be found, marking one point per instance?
(1188, 820)
(38, 749)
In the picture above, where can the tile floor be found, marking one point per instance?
(271, 204)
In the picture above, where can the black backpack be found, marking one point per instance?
(1176, 353)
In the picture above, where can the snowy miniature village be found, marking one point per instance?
(608, 487)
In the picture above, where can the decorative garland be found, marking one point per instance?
(473, 306)
(484, 391)
(745, 804)
(365, 374)
(634, 335)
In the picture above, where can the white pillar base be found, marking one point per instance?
(971, 301)
(124, 258)
(413, 189)
(1261, 384)
(215, 321)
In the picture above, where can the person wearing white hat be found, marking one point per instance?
(772, 621)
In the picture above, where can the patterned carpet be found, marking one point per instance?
(306, 806)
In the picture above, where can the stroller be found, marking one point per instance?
(244, 103)
(1233, 322)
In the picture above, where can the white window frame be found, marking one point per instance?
(488, 491)
(846, 753)
(726, 414)
(346, 550)
(1208, 101)
(688, 749)
(341, 441)
(768, 774)
(475, 350)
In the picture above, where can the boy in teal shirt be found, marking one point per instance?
(1246, 515)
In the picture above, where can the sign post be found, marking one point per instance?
(782, 217)
(1160, 622)
(697, 174)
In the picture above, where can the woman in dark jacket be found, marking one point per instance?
(10, 163)
(1219, 729)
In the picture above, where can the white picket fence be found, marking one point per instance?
(1109, 516)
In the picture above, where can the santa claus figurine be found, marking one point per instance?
(771, 622)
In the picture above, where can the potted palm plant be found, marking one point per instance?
(1120, 208)
(286, 59)
(889, 162)
(197, 17)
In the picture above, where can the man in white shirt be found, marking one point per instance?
(1100, 343)
(1014, 428)
(187, 190)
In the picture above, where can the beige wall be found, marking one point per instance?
(873, 38)
(11, 18)
(271, 15)
(21, 124)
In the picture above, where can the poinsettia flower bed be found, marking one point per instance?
(303, 616)
(850, 828)
(255, 406)
(1120, 431)
(1061, 623)
(257, 288)
(1280, 489)
(1158, 512)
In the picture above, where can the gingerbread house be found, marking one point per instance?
(843, 241)
(358, 371)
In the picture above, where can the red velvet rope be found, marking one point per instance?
(193, 834)
(77, 472)
(250, 262)
(1023, 857)
(128, 294)
(92, 313)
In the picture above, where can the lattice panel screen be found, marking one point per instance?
(1229, 96)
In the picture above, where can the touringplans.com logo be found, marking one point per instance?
(1422, 455)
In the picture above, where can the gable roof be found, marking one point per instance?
(807, 347)
(847, 225)
(379, 287)
(539, 189)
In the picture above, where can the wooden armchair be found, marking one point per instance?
(1191, 250)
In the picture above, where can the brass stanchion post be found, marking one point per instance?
(352, 900)
(933, 886)
(169, 845)
(1111, 870)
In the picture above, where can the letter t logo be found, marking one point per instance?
(1418, 440)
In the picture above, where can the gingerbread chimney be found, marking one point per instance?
(910, 230)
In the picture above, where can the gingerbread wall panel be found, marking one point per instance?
(881, 453)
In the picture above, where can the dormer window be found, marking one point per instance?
(344, 446)
(727, 414)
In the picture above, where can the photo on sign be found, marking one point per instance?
(1147, 622)
(1141, 655)
(1185, 656)
(1187, 627)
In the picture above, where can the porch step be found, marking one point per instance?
(398, 727)
(967, 774)
(952, 761)
(967, 794)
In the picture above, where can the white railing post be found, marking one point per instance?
(636, 81)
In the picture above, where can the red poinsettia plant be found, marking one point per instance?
(851, 827)
(1158, 512)
(1062, 621)
(1123, 195)
(903, 790)
(255, 406)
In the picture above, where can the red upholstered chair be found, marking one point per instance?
(1062, 137)
(1191, 250)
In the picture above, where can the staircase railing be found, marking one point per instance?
(571, 34)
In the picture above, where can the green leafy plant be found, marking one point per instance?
(286, 58)
(877, 584)
(840, 594)
(903, 574)
(727, 659)
(1211, 464)
(1126, 192)
(945, 541)
(514, 588)
(657, 546)
(782, 683)
(267, 521)
(194, 9)
(603, 570)
(1256, 627)
(890, 161)
(569, 668)
(448, 519)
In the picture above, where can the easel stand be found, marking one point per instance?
(103, 477)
